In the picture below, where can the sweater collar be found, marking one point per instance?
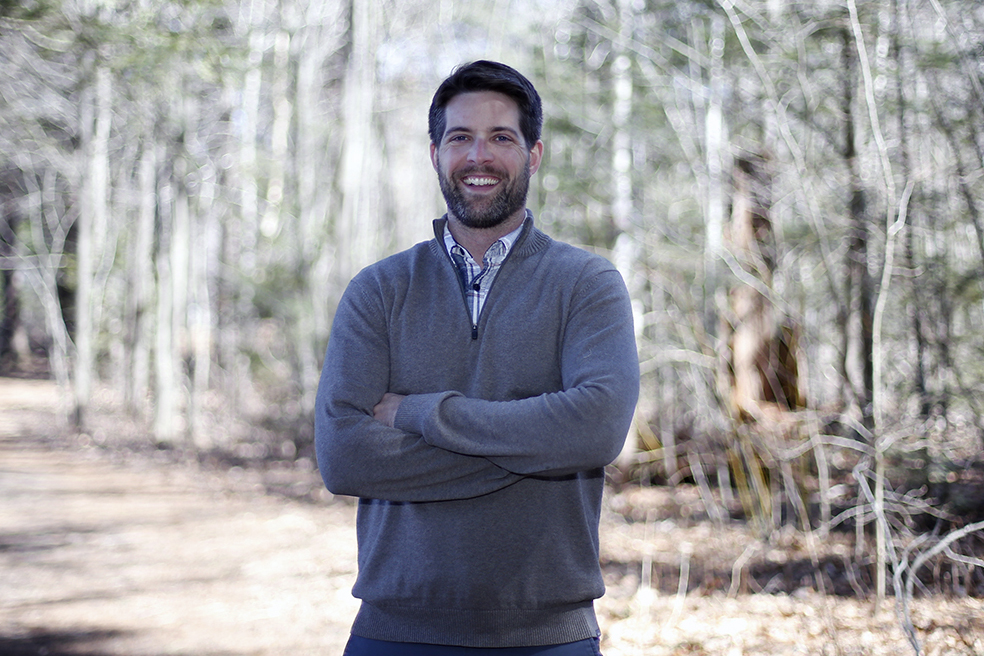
(528, 240)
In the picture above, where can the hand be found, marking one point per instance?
(385, 410)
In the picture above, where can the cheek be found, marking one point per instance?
(445, 161)
(436, 159)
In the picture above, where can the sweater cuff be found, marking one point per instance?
(416, 410)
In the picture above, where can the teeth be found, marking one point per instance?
(481, 182)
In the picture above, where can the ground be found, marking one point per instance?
(140, 553)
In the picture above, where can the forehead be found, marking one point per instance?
(478, 110)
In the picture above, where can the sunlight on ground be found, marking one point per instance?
(807, 624)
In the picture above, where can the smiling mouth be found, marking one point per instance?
(480, 181)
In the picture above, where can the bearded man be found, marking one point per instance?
(474, 388)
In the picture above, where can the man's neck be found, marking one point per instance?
(478, 240)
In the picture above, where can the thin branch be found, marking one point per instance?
(906, 597)
(964, 560)
(888, 548)
(877, 392)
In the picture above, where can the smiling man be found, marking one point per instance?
(483, 162)
(474, 388)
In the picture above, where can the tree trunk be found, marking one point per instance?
(165, 350)
(180, 268)
(234, 305)
(358, 229)
(44, 276)
(279, 135)
(248, 162)
(764, 369)
(91, 229)
(716, 152)
(859, 378)
(140, 326)
(625, 253)
(317, 40)
(12, 356)
(916, 308)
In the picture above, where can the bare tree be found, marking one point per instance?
(358, 226)
(92, 227)
(138, 320)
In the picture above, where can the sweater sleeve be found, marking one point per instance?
(579, 428)
(360, 456)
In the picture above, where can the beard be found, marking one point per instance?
(488, 212)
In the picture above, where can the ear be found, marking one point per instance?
(434, 156)
(536, 156)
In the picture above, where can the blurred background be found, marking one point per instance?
(792, 191)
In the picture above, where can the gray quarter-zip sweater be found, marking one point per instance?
(478, 515)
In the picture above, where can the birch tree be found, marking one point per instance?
(141, 283)
(359, 226)
(92, 227)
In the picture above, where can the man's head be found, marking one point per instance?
(488, 76)
(485, 144)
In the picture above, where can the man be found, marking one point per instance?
(473, 390)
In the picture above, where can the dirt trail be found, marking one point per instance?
(109, 553)
(141, 558)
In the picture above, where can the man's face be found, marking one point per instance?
(483, 162)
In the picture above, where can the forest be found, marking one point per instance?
(792, 191)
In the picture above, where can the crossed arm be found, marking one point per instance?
(385, 411)
(441, 446)
(361, 456)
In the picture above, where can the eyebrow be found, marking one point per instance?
(503, 128)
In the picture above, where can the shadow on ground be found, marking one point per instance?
(58, 643)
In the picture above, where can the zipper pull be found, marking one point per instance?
(477, 286)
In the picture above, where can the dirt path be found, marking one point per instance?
(145, 559)
(132, 556)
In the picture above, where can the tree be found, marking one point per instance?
(191, 226)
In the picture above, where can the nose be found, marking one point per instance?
(479, 152)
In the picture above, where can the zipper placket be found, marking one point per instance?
(476, 287)
(462, 284)
(464, 292)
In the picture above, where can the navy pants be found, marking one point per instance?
(365, 647)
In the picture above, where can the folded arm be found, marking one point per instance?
(361, 456)
(578, 428)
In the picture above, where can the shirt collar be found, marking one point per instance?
(507, 242)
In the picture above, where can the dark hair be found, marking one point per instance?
(488, 76)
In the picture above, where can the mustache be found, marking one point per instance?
(480, 170)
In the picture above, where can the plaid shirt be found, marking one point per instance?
(478, 279)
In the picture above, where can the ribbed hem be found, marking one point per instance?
(478, 628)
